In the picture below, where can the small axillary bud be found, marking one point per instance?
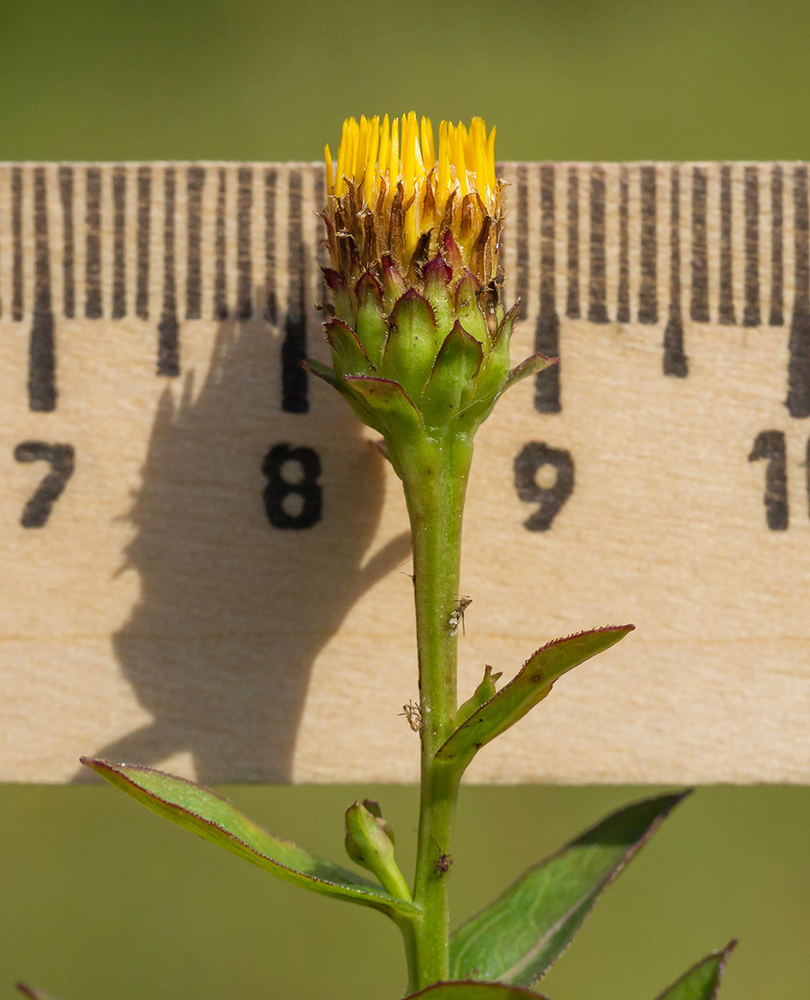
(370, 843)
(483, 693)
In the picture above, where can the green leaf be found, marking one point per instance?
(524, 691)
(213, 818)
(702, 981)
(516, 938)
(473, 991)
(33, 994)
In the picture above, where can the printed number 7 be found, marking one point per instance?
(60, 457)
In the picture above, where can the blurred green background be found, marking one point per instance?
(100, 898)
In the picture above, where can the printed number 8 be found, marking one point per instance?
(279, 489)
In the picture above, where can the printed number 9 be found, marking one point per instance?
(535, 456)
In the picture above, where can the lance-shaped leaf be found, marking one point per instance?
(473, 991)
(516, 938)
(32, 994)
(702, 981)
(524, 691)
(213, 818)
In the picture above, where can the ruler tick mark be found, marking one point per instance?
(597, 293)
(68, 277)
(119, 303)
(220, 277)
(623, 301)
(751, 314)
(547, 331)
(648, 291)
(92, 305)
(319, 188)
(294, 395)
(726, 314)
(168, 329)
(16, 231)
(271, 306)
(144, 207)
(41, 351)
(798, 398)
(572, 305)
(195, 181)
(675, 361)
(244, 264)
(522, 262)
(776, 317)
(699, 309)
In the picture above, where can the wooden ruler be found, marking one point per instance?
(203, 560)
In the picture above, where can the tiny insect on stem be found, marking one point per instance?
(443, 862)
(413, 713)
(457, 615)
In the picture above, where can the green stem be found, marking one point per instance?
(435, 473)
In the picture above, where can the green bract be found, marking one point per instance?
(423, 356)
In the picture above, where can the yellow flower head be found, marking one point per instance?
(395, 193)
(415, 319)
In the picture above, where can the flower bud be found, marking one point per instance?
(370, 843)
(418, 332)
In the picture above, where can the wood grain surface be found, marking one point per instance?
(204, 560)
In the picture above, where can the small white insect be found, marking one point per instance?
(457, 615)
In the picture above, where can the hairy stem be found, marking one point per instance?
(435, 473)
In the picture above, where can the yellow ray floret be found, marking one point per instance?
(380, 159)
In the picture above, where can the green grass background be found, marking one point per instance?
(103, 901)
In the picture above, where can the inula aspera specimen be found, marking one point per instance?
(420, 342)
